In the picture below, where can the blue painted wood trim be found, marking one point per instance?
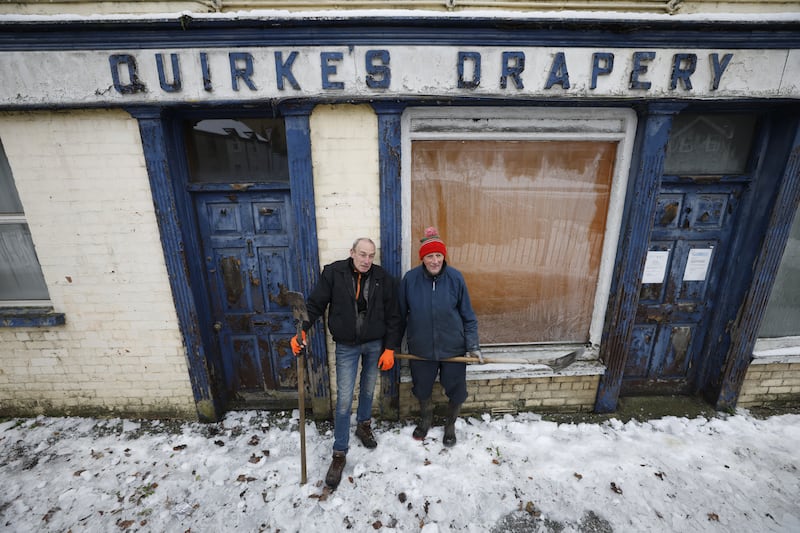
(301, 180)
(185, 31)
(155, 153)
(391, 218)
(391, 212)
(742, 329)
(30, 317)
(192, 248)
(632, 249)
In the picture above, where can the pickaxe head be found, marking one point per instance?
(296, 301)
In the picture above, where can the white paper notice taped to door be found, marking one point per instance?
(655, 267)
(697, 264)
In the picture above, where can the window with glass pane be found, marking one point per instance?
(782, 318)
(21, 276)
(709, 144)
(524, 221)
(237, 150)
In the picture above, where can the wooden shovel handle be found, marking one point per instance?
(556, 364)
(457, 359)
(301, 385)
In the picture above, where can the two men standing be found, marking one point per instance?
(367, 316)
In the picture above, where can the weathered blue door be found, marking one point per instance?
(247, 252)
(686, 260)
(708, 168)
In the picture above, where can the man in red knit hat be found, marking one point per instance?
(440, 323)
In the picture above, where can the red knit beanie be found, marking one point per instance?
(431, 243)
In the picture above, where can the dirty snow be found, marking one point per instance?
(509, 474)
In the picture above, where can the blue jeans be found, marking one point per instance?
(347, 360)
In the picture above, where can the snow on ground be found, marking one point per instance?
(509, 474)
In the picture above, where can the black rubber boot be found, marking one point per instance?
(364, 432)
(334, 475)
(425, 419)
(450, 425)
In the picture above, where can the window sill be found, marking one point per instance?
(777, 350)
(30, 317)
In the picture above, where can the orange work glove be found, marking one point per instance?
(297, 347)
(386, 361)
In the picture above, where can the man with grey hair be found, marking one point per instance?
(364, 321)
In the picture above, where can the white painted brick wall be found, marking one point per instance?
(344, 150)
(84, 187)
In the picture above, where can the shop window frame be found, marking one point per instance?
(530, 123)
(778, 348)
(24, 313)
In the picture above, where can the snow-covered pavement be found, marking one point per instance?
(508, 474)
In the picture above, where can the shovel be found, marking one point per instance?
(556, 365)
(298, 304)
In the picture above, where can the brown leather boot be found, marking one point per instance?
(425, 419)
(450, 425)
(334, 475)
(364, 432)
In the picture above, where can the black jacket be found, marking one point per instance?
(336, 291)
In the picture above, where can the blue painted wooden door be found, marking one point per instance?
(686, 261)
(248, 251)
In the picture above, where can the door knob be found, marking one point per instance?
(217, 326)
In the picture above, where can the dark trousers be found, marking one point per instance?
(452, 376)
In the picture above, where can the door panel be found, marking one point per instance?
(673, 347)
(693, 225)
(247, 250)
(642, 341)
(274, 271)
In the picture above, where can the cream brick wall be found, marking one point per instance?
(84, 187)
(771, 385)
(344, 152)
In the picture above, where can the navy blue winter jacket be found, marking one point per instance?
(439, 319)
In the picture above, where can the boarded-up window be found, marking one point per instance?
(524, 221)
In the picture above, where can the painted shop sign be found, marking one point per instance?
(192, 75)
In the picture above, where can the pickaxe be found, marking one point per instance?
(296, 301)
